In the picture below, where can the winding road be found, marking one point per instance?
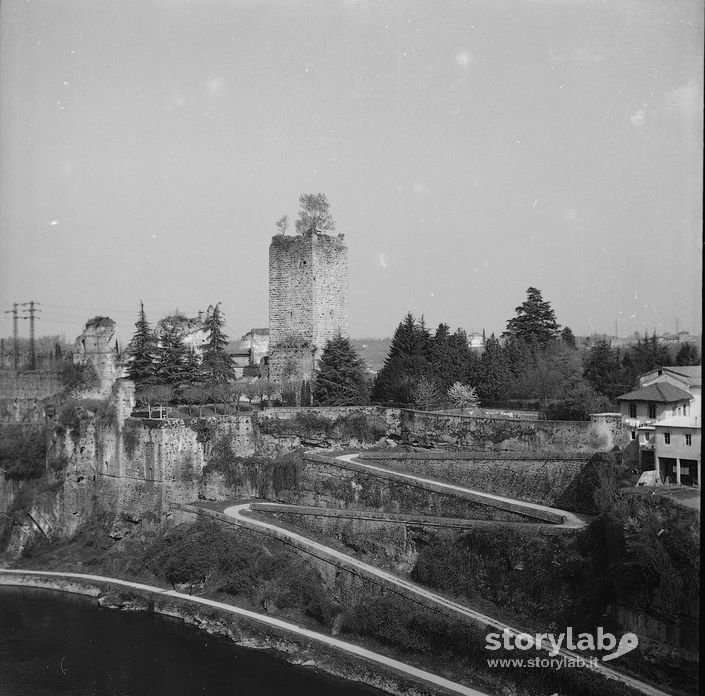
(411, 589)
(16, 577)
(570, 520)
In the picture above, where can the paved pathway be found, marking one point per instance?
(570, 519)
(10, 577)
(432, 598)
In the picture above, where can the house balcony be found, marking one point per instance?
(638, 422)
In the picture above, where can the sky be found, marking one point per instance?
(469, 150)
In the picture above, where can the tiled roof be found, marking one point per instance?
(693, 373)
(661, 391)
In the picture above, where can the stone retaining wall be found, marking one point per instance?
(334, 483)
(455, 431)
(543, 480)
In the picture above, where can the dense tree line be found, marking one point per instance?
(161, 357)
(534, 360)
(163, 367)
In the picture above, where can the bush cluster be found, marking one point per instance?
(266, 475)
(23, 452)
(309, 425)
(206, 554)
(79, 376)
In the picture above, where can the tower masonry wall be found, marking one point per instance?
(308, 298)
(290, 289)
(330, 289)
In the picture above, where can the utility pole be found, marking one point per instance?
(15, 346)
(32, 310)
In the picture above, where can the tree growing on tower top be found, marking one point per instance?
(216, 366)
(535, 321)
(282, 224)
(314, 215)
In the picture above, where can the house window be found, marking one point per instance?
(632, 410)
(686, 409)
(652, 411)
(688, 439)
(633, 434)
(667, 438)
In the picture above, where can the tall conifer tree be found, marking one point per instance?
(217, 366)
(141, 351)
(407, 361)
(535, 321)
(340, 378)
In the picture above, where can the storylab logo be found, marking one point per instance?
(600, 641)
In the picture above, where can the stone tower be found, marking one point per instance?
(308, 301)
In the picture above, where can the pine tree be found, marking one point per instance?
(687, 355)
(217, 366)
(192, 368)
(340, 378)
(141, 351)
(535, 320)
(449, 356)
(172, 356)
(603, 369)
(406, 362)
(568, 337)
(495, 376)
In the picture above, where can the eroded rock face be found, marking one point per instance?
(96, 347)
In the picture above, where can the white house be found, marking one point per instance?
(664, 414)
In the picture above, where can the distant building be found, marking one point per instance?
(476, 341)
(664, 417)
(192, 330)
(256, 343)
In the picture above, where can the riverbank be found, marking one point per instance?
(298, 645)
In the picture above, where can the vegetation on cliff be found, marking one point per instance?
(23, 451)
(207, 557)
(307, 425)
(270, 475)
(641, 552)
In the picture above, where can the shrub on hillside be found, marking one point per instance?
(79, 377)
(361, 427)
(207, 554)
(262, 473)
(23, 452)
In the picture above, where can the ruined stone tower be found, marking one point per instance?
(308, 301)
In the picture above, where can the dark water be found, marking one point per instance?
(55, 643)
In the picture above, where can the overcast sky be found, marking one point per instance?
(469, 150)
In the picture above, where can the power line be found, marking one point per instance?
(15, 344)
(32, 311)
